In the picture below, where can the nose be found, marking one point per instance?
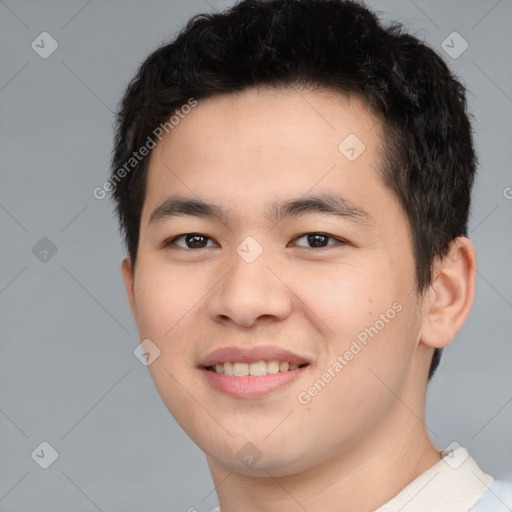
(250, 291)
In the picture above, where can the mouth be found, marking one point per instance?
(249, 373)
(256, 369)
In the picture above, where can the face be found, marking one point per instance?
(300, 257)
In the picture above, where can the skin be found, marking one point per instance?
(359, 441)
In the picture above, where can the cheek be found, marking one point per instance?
(163, 297)
(345, 297)
(367, 363)
(166, 302)
(370, 323)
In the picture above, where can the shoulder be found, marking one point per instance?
(497, 498)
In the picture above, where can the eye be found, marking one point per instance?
(191, 241)
(319, 240)
(316, 240)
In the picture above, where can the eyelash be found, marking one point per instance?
(171, 241)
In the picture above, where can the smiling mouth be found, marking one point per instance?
(255, 369)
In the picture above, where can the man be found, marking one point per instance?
(293, 183)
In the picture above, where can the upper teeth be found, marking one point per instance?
(255, 369)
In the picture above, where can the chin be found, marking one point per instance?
(262, 461)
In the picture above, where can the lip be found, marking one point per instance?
(251, 355)
(251, 387)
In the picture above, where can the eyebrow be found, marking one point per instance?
(337, 206)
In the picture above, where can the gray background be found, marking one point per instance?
(68, 375)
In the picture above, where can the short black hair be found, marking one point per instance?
(428, 155)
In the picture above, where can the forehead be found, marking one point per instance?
(265, 142)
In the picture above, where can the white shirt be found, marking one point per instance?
(454, 484)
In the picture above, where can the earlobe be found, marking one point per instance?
(450, 296)
(128, 276)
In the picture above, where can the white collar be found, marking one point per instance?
(454, 484)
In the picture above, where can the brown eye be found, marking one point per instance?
(319, 240)
(191, 240)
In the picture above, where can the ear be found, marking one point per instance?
(127, 271)
(449, 298)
